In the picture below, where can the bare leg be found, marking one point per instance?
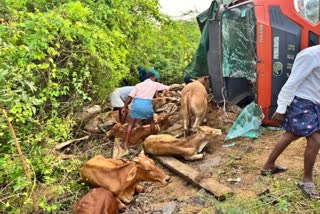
(128, 133)
(310, 155)
(122, 117)
(282, 144)
(119, 112)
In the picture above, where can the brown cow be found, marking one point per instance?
(194, 101)
(121, 177)
(160, 101)
(166, 93)
(188, 148)
(138, 134)
(98, 201)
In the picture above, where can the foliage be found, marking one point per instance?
(168, 48)
(282, 197)
(58, 55)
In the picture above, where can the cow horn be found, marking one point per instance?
(142, 152)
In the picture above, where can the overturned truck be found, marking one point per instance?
(248, 48)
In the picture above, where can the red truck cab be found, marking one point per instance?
(257, 43)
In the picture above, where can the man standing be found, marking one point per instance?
(142, 107)
(117, 99)
(298, 113)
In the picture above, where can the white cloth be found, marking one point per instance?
(304, 80)
(119, 96)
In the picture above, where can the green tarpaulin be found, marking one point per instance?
(199, 66)
(248, 123)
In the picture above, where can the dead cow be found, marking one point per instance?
(194, 102)
(189, 148)
(97, 201)
(138, 134)
(160, 101)
(121, 177)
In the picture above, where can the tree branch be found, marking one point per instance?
(64, 144)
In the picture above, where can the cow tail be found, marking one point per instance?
(189, 106)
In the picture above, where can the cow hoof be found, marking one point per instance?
(139, 189)
(121, 206)
(179, 135)
(126, 200)
(202, 145)
(193, 131)
(186, 133)
(194, 157)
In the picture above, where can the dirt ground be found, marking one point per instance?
(237, 167)
(235, 163)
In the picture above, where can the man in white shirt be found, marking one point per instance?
(117, 99)
(298, 113)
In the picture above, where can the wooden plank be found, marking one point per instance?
(209, 184)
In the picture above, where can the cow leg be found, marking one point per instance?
(127, 196)
(202, 145)
(121, 206)
(139, 188)
(194, 157)
(152, 126)
(186, 124)
(195, 125)
(197, 122)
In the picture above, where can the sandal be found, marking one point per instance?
(277, 169)
(309, 190)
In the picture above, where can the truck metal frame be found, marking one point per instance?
(252, 47)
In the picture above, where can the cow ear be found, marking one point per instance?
(192, 80)
(132, 174)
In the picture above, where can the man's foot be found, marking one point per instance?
(274, 170)
(309, 190)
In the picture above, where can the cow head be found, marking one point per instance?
(164, 120)
(204, 133)
(205, 81)
(117, 130)
(148, 171)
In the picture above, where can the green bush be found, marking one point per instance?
(55, 57)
